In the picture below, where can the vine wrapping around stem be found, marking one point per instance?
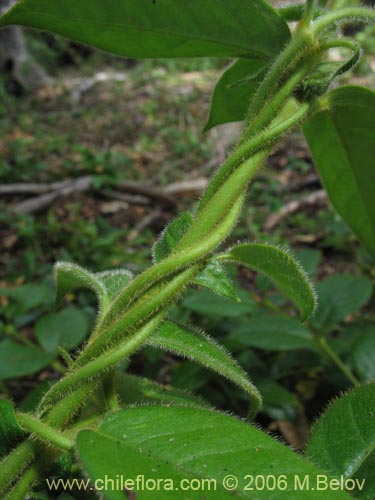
(189, 252)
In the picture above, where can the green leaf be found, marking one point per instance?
(342, 342)
(341, 136)
(105, 284)
(363, 355)
(215, 279)
(28, 296)
(343, 441)
(233, 92)
(208, 304)
(10, 430)
(70, 277)
(273, 333)
(171, 235)
(134, 390)
(33, 397)
(310, 259)
(168, 28)
(67, 329)
(114, 280)
(190, 443)
(278, 403)
(339, 296)
(199, 347)
(18, 360)
(281, 268)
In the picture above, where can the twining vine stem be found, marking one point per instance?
(141, 307)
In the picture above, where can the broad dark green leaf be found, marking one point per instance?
(168, 28)
(17, 360)
(233, 92)
(339, 296)
(281, 268)
(135, 390)
(273, 333)
(190, 443)
(171, 235)
(66, 328)
(363, 355)
(341, 136)
(201, 348)
(343, 441)
(215, 279)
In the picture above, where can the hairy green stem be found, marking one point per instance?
(25, 483)
(293, 13)
(309, 11)
(109, 391)
(281, 97)
(330, 353)
(12, 465)
(292, 53)
(44, 431)
(96, 367)
(234, 187)
(267, 137)
(228, 194)
(149, 293)
(172, 264)
(343, 15)
(345, 44)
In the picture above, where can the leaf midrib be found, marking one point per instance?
(248, 51)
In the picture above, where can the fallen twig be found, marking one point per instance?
(143, 223)
(128, 191)
(39, 202)
(316, 198)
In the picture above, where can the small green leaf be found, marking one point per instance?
(191, 443)
(18, 360)
(278, 403)
(114, 280)
(70, 277)
(343, 440)
(134, 390)
(171, 235)
(341, 136)
(273, 333)
(215, 279)
(28, 296)
(208, 304)
(105, 284)
(233, 92)
(363, 355)
(339, 296)
(168, 28)
(281, 268)
(10, 430)
(201, 348)
(32, 399)
(67, 329)
(310, 259)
